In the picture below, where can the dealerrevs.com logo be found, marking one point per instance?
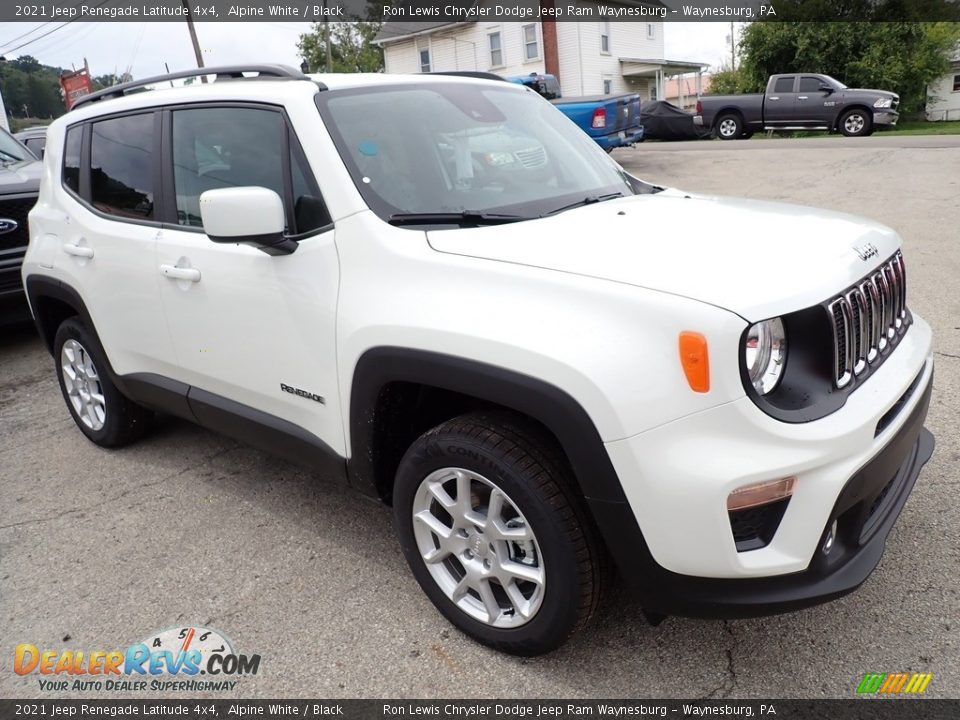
(172, 659)
(894, 683)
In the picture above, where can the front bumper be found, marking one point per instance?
(856, 466)
(885, 117)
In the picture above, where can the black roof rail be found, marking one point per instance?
(470, 74)
(225, 71)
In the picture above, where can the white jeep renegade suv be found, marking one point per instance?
(440, 290)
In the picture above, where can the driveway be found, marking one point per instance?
(100, 549)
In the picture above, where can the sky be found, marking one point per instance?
(144, 47)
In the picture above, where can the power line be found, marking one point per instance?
(51, 31)
(33, 30)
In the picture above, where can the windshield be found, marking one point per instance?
(11, 150)
(456, 148)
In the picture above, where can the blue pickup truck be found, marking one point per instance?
(611, 120)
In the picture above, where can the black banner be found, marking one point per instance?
(200, 709)
(436, 11)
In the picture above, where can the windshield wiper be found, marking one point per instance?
(468, 217)
(588, 200)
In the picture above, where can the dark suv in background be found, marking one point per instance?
(19, 184)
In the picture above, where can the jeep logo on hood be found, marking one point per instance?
(8, 226)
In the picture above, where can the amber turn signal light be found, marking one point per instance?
(695, 360)
(762, 493)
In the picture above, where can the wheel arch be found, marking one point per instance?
(52, 302)
(386, 378)
(729, 110)
(853, 106)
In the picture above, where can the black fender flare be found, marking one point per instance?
(551, 406)
(38, 287)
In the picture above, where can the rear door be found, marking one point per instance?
(780, 101)
(107, 237)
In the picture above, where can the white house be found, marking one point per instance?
(943, 96)
(589, 58)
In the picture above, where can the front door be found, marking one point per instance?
(815, 107)
(255, 329)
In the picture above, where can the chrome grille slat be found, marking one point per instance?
(868, 319)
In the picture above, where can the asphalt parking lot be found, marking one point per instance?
(99, 549)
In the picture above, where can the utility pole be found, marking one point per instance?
(733, 46)
(326, 37)
(193, 37)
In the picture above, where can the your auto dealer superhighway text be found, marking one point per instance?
(478, 12)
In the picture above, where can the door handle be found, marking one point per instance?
(178, 273)
(802, 97)
(773, 98)
(78, 250)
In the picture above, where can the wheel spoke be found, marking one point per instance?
(520, 571)
(463, 494)
(442, 496)
(495, 506)
(436, 555)
(434, 524)
(499, 531)
(489, 601)
(460, 590)
(519, 602)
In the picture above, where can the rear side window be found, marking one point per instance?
(71, 158)
(121, 166)
(783, 85)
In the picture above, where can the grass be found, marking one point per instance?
(904, 127)
(922, 127)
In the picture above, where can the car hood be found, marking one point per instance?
(870, 91)
(20, 177)
(757, 259)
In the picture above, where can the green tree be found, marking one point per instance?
(900, 56)
(727, 81)
(351, 47)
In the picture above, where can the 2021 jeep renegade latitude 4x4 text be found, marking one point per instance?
(438, 289)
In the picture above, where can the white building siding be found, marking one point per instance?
(584, 66)
(943, 102)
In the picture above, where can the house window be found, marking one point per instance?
(531, 48)
(605, 38)
(423, 55)
(496, 50)
(607, 86)
(653, 92)
(956, 83)
(651, 31)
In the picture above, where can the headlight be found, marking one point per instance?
(883, 103)
(765, 352)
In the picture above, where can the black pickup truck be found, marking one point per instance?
(19, 184)
(798, 101)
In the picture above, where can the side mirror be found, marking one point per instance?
(826, 88)
(249, 215)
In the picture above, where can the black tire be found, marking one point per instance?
(856, 123)
(729, 126)
(525, 464)
(746, 135)
(123, 421)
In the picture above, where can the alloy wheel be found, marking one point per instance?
(478, 547)
(82, 384)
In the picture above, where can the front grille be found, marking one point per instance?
(868, 320)
(16, 210)
(532, 158)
